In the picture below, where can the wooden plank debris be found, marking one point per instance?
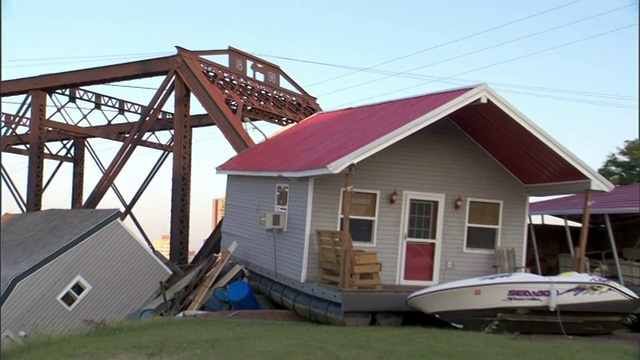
(224, 280)
(203, 288)
(175, 288)
(184, 297)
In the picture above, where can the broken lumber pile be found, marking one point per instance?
(195, 287)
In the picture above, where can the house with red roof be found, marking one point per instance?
(439, 182)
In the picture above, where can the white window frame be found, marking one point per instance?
(374, 230)
(276, 207)
(466, 226)
(76, 280)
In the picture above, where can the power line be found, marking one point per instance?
(517, 86)
(450, 42)
(480, 50)
(584, 101)
(554, 97)
(120, 56)
(459, 80)
(500, 63)
(89, 56)
(74, 61)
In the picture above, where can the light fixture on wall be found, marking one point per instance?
(458, 203)
(393, 197)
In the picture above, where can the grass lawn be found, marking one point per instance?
(174, 338)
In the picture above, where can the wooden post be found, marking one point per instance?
(614, 248)
(535, 246)
(569, 239)
(345, 273)
(579, 259)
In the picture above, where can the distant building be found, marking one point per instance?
(218, 211)
(163, 246)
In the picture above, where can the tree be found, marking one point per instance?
(623, 167)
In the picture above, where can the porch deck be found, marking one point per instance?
(325, 297)
(390, 298)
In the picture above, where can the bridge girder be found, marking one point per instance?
(57, 110)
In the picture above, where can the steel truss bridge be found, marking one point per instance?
(57, 117)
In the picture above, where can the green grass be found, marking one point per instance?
(171, 338)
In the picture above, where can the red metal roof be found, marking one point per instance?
(621, 200)
(327, 142)
(329, 136)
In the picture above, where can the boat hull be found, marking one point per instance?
(578, 304)
(570, 320)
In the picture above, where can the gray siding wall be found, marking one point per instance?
(123, 276)
(438, 159)
(275, 250)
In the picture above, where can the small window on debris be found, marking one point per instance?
(74, 292)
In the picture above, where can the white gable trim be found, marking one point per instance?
(406, 130)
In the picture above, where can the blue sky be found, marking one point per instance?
(573, 69)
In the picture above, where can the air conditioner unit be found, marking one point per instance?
(273, 220)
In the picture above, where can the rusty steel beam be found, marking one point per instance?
(46, 155)
(230, 95)
(92, 153)
(154, 170)
(13, 189)
(146, 121)
(77, 185)
(114, 132)
(92, 76)
(66, 132)
(11, 122)
(23, 139)
(181, 181)
(256, 99)
(36, 150)
(213, 101)
(101, 100)
(239, 57)
(91, 132)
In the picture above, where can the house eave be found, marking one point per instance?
(288, 174)
(596, 182)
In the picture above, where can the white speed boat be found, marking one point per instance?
(577, 303)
